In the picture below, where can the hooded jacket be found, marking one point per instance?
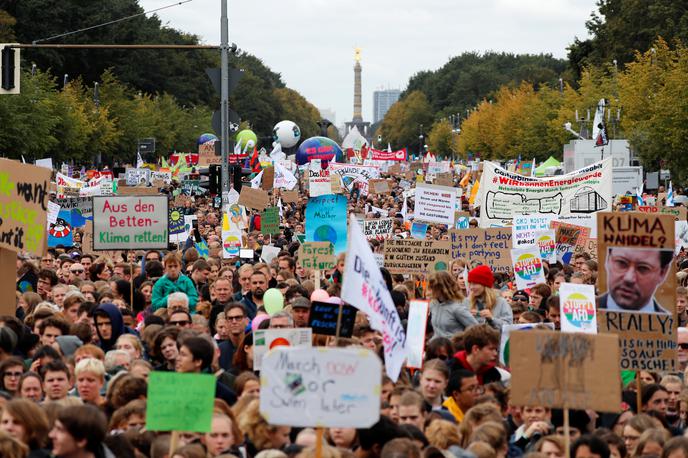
(486, 374)
(111, 311)
(165, 286)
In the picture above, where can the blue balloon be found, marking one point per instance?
(321, 148)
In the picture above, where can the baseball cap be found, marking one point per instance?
(301, 302)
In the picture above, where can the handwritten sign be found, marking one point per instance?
(256, 199)
(405, 256)
(637, 286)
(524, 228)
(567, 237)
(268, 178)
(559, 370)
(323, 318)
(677, 212)
(290, 196)
(379, 186)
(180, 402)
(265, 340)
(23, 206)
(131, 222)
(321, 387)
(316, 255)
(483, 246)
(380, 228)
(269, 221)
(136, 177)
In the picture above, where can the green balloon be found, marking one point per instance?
(273, 300)
(246, 136)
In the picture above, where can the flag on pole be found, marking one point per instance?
(599, 130)
(532, 169)
(139, 160)
(670, 196)
(365, 288)
(639, 194)
(404, 210)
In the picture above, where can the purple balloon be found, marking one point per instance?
(321, 148)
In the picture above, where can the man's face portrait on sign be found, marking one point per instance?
(633, 276)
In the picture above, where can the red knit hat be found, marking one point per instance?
(481, 275)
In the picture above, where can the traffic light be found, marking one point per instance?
(215, 179)
(9, 69)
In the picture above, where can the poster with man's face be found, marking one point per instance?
(637, 287)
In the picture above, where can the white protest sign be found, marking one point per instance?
(365, 288)
(380, 228)
(577, 308)
(321, 387)
(528, 269)
(46, 163)
(435, 204)
(269, 252)
(415, 333)
(318, 179)
(524, 227)
(130, 222)
(165, 177)
(135, 177)
(283, 177)
(265, 340)
(53, 211)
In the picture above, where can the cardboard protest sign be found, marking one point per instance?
(560, 370)
(323, 317)
(637, 287)
(336, 184)
(289, 197)
(326, 220)
(577, 308)
(444, 179)
(567, 236)
(316, 255)
(137, 191)
(589, 247)
(23, 206)
(379, 187)
(483, 246)
(333, 387)
(379, 229)
(523, 228)
(404, 256)
(435, 204)
(206, 154)
(256, 199)
(265, 340)
(270, 221)
(527, 264)
(268, 178)
(506, 194)
(415, 333)
(677, 212)
(180, 402)
(134, 222)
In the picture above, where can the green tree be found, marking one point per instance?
(442, 139)
(402, 124)
(7, 23)
(295, 107)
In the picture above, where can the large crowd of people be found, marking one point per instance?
(90, 326)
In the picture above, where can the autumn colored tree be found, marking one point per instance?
(442, 140)
(402, 124)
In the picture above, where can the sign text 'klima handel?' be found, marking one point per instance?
(131, 222)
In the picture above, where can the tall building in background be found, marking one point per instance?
(357, 121)
(382, 101)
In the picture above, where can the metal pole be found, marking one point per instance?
(224, 101)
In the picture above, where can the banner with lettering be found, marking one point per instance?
(581, 193)
(378, 155)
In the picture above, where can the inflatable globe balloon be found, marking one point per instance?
(246, 139)
(321, 148)
(205, 138)
(286, 133)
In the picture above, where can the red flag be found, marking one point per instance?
(254, 162)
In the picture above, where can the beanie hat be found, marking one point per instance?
(481, 275)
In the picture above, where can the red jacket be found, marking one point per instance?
(486, 374)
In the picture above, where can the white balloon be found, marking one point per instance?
(287, 133)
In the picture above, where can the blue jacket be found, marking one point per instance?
(165, 286)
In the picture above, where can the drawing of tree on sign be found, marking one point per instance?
(560, 353)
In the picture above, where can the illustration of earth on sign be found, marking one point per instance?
(325, 233)
(578, 310)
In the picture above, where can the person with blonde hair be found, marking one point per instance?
(443, 434)
(90, 379)
(449, 314)
(11, 447)
(484, 302)
(651, 442)
(261, 434)
(552, 446)
(25, 421)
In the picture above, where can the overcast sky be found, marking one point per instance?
(311, 42)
